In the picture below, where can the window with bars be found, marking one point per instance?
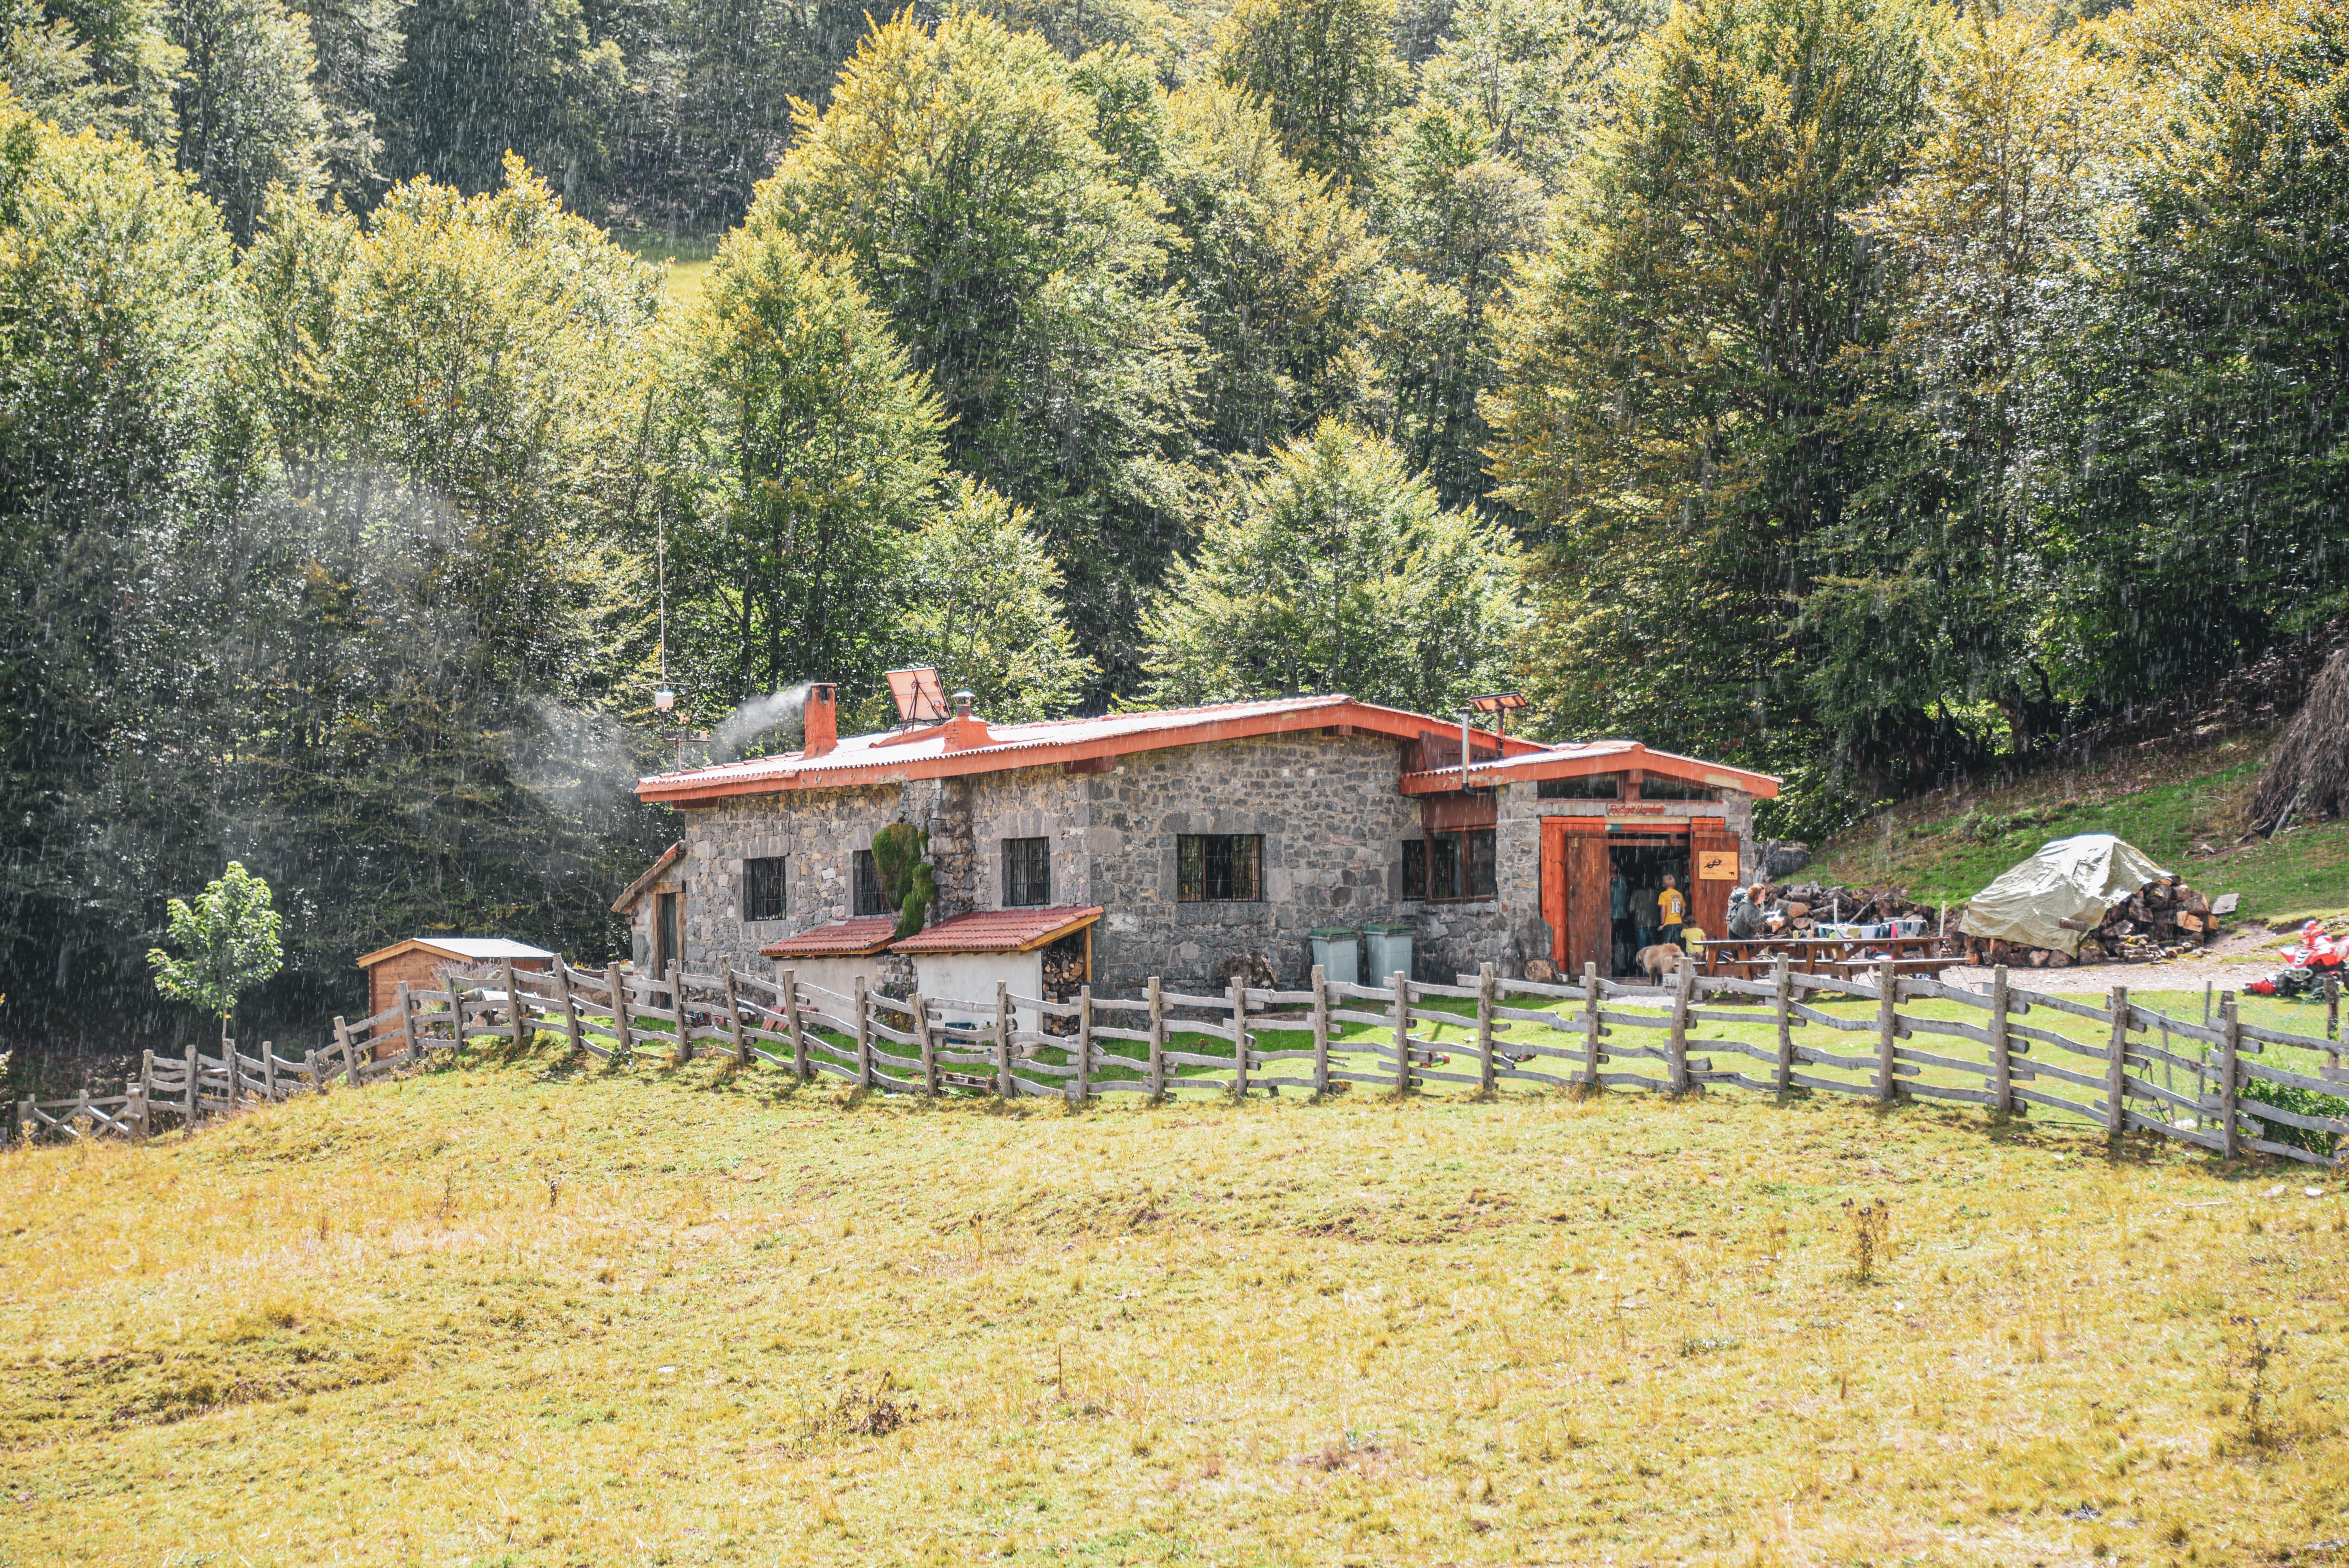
(1463, 864)
(1218, 868)
(1027, 872)
(762, 888)
(868, 885)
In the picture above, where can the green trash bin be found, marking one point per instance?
(1389, 951)
(1339, 954)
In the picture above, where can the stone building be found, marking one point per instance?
(1203, 837)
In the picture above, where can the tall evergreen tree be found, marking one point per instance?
(247, 117)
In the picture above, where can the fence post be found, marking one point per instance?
(146, 1089)
(2230, 1045)
(2116, 1064)
(350, 1054)
(269, 1071)
(77, 1119)
(1003, 1036)
(188, 1090)
(235, 1075)
(1677, 1054)
(310, 1068)
(1158, 1040)
(516, 1008)
(1320, 1028)
(139, 1098)
(1084, 1051)
(734, 1011)
(2333, 1014)
(1402, 983)
(570, 1002)
(2002, 1052)
(677, 1008)
(1888, 1027)
(1485, 987)
(791, 1024)
(1239, 1037)
(863, 1037)
(408, 1022)
(1781, 1003)
(923, 1045)
(617, 987)
(1590, 1026)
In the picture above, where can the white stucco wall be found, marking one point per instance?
(972, 977)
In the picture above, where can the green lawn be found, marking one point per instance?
(524, 1309)
(1945, 851)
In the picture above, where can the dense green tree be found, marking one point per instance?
(482, 79)
(1538, 75)
(111, 289)
(358, 45)
(1457, 217)
(123, 43)
(228, 942)
(1683, 366)
(1339, 569)
(1278, 268)
(956, 167)
(1327, 71)
(980, 601)
(2200, 356)
(247, 117)
(803, 456)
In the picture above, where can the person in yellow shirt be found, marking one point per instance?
(1671, 908)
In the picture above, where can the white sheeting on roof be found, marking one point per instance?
(2075, 879)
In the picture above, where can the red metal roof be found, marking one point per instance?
(894, 756)
(856, 938)
(1000, 930)
(1592, 757)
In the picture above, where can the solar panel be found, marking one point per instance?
(921, 699)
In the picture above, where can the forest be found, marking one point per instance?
(1870, 391)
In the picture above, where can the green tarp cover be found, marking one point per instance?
(2077, 877)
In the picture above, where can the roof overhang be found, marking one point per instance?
(868, 761)
(518, 950)
(1594, 757)
(861, 937)
(1000, 930)
(626, 903)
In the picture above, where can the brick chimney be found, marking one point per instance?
(822, 718)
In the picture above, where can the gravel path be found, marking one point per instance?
(2233, 959)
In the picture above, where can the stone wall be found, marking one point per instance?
(1332, 822)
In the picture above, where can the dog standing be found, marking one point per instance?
(1659, 962)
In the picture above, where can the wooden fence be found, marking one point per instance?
(2200, 1083)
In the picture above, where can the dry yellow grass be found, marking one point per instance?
(522, 1313)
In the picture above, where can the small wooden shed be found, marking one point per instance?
(420, 959)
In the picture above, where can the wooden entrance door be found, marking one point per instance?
(1713, 872)
(1574, 892)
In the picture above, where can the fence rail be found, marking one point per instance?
(2140, 1072)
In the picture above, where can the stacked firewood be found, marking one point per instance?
(1798, 909)
(1064, 971)
(2163, 919)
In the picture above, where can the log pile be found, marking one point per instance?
(2164, 919)
(1799, 909)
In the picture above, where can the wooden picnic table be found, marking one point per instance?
(1750, 958)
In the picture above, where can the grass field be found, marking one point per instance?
(1946, 849)
(524, 1312)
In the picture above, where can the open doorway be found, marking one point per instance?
(1643, 863)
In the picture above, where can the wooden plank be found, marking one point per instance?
(1084, 1047)
(2065, 1004)
(1677, 1047)
(1484, 1082)
(2230, 1044)
(1157, 999)
(1320, 1028)
(863, 1037)
(1239, 1039)
(1591, 1026)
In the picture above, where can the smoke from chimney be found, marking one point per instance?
(778, 714)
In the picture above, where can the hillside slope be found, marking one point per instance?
(2182, 806)
(526, 1314)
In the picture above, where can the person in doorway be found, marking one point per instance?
(1671, 910)
(1643, 916)
(1619, 912)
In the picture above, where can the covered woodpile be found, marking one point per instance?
(2308, 776)
(2165, 918)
